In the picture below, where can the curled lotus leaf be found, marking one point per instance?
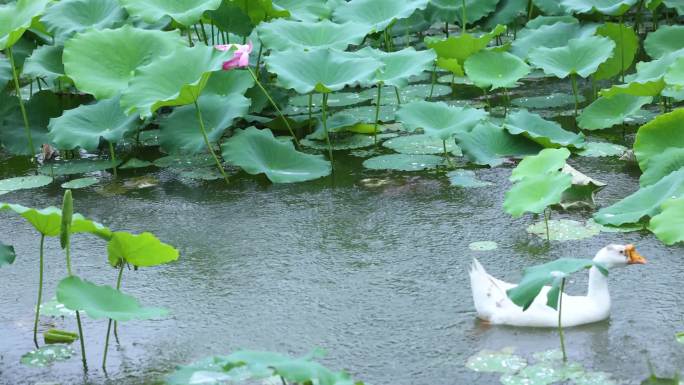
(626, 46)
(545, 132)
(185, 12)
(142, 250)
(660, 165)
(378, 14)
(453, 51)
(649, 79)
(399, 66)
(549, 160)
(65, 18)
(438, 119)
(664, 40)
(606, 112)
(48, 221)
(7, 254)
(534, 194)
(282, 34)
(491, 145)
(553, 35)
(580, 56)
(495, 69)
(605, 7)
(16, 18)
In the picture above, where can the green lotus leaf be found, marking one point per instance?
(605, 7)
(284, 34)
(399, 66)
(660, 165)
(76, 166)
(657, 135)
(555, 100)
(550, 7)
(403, 162)
(336, 99)
(606, 112)
(438, 119)
(467, 178)
(16, 18)
(134, 163)
(453, 51)
(495, 69)
(648, 79)
(349, 142)
(177, 161)
(408, 94)
(535, 193)
(47, 355)
(378, 14)
(507, 12)
(5, 71)
(102, 301)
(259, 10)
(259, 152)
(7, 254)
(549, 160)
(645, 202)
(491, 145)
(636, 88)
(549, 36)
(626, 46)
(447, 10)
(86, 125)
(45, 62)
(677, 5)
(675, 74)
(185, 12)
(503, 361)
(142, 250)
(666, 39)
(23, 182)
(173, 80)
(230, 18)
(48, 221)
(80, 183)
(40, 109)
(308, 10)
(67, 17)
(322, 70)
(421, 145)
(580, 56)
(542, 131)
(600, 149)
(668, 226)
(102, 62)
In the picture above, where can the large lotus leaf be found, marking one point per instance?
(675, 74)
(284, 34)
(23, 182)
(666, 39)
(309, 10)
(230, 18)
(142, 250)
(102, 301)
(550, 7)
(259, 152)
(449, 10)
(5, 71)
(48, 221)
(507, 12)
(259, 10)
(491, 145)
(580, 56)
(102, 62)
(45, 62)
(378, 14)
(180, 132)
(606, 112)
(322, 70)
(7, 254)
(545, 132)
(41, 107)
(85, 125)
(648, 79)
(626, 46)
(185, 12)
(495, 69)
(399, 66)
(644, 202)
(668, 226)
(67, 17)
(403, 162)
(227, 83)
(677, 5)
(657, 135)
(550, 160)
(605, 7)
(16, 17)
(662, 164)
(534, 194)
(549, 36)
(439, 119)
(536, 277)
(461, 47)
(172, 80)
(76, 166)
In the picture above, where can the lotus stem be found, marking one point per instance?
(463, 18)
(446, 29)
(622, 53)
(199, 37)
(208, 144)
(573, 78)
(204, 33)
(282, 380)
(258, 63)
(377, 113)
(446, 154)
(396, 92)
(80, 337)
(112, 155)
(507, 101)
(547, 216)
(189, 37)
(40, 290)
(275, 106)
(530, 8)
(24, 116)
(109, 324)
(324, 107)
(310, 111)
(560, 323)
(434, 79)
(486, 95)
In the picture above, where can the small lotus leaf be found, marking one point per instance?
(549, 160)
(503, 361)
(495, 69)
(534, 194)
(657, 135)
(142, 250)
(78, 166)
(47, 355)
(483, 246)
(466, 178)
(489, 144)
(439, 120)
(626, 46)
(284, 34)
(52, 308)
(399, 66)
(67, 17)
(16, 18)
(378, 14)
(580, 56)
(185, 12)
(668, 226)
(421, 145)
(24, 182)
(605, 7)
(666, 39)
(7, 254)
(542, 131)
(555, 100)
(80, 183)
(606, 112)
(403, 162)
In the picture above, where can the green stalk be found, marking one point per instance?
(530, 8)
(573, 78)
(109, 325)
(622, 53)
(275, 106)
(190, 37)
(112, 155)
(208, 144)
(434, 79)
(258, 63)
(547, 216)
(377, 113)
(40, 290)
(80, 337)
(464, 19)
(560, 325)
(396, 92)
(508, 102)
(446, 29)
(310, 111)
(24, 116)
(324, 107)
(204, 33)
(446, 154)
(486, 95)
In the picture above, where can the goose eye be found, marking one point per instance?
(622, 252)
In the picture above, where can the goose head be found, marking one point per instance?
(619, 256)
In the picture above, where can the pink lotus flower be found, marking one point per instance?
(240, 55)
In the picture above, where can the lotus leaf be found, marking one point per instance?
(337, 99)
(41, 107)
(7, 254)
(580, 56)
(399, 66)
(366, 114)
(5, 71)
(535, 193)
(656, 136)
(102, 62)
(626, 46)
(550, 7)
(411, 93)
(403, 162)
(231, 18)
(675, 74)
(453, 51)
(184, 161)
(542, 131)
(341, 143)
(421, 145)
(16, 18)
(491, 145)
(284, 34)
(185, 12)
(80, 183)
(648, 79)
(606, 112)
(86, 125)
(47, 355)
(605, 7)
(23, 182)
(666, 39)
(549, 160)
(142, 250)
(467, 178)
(495, 69)
(554, 100)
(308, 10)
(668, 225)
(258, 151)
(554, 35)
(67, 17)
(483, 246)
(45, 62)
(260, 10)
(102, 301)
(507, 12)
(599, 149)
(377, 14)
(660, 165)
(48, 221)
(447, 10)
(78, 166)
(438, 119)
(503, 361)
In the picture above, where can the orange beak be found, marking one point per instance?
(634, 258)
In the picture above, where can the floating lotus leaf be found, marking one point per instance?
(86, 125)
(47, 355)
(185, 12)
(666, 39)
(102, 301)
(378, 14)
(645, 202)
(438, 119)
(80, 183)
(16, 18)
(399, 66)
(341, 143)
(668, 226)
(607, 112)
(600, 149)
(24, 182)
(661, 133)
(447, 10)
(173, 80)
(403, 162)
(336, 99)
(408, 94)
(535, 193)
(45, 62)
(466, 178)
(554, 100)
(48, 221)
(421, 145)
(284, 34)
(134, 163)
(142, 250)
(52, 308)
(549, 36)
(503, 361)
(7, 254)
(495, 69)
(605, 7)
(77, 166)
(102, 62)
(564, 230)
(184, 161)
(366, 114)
(259, 152)
(67, 17)
(491, 145)
(580, 56)
(626, 46)
(542, 131)
(549, 160)
(40, 109)
(453, 51)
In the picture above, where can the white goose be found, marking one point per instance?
(494, 306)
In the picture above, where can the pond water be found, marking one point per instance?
(377, 276)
